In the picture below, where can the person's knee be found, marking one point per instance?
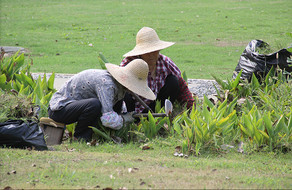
(172, 82)
(94, 106)
(170, 89)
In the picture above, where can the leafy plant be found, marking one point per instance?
(102, 133)
(102, 60)
(231, 89)
(207, 126)
(262, 130)
(270, 95)
(278, 133)
(151, 126)
(238, 88)
(184, 76)
(274, 100)
(250, 124)
(13, 65)
(15, 76)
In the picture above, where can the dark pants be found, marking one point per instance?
(170, 91)
(85, 112)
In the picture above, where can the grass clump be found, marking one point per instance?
(14, 107)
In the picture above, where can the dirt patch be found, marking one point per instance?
(217, 43)
(222, 43)
(189, 42)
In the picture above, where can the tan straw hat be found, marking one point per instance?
(147, 41)
(133, 76)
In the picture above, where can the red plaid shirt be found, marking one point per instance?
(164, 67)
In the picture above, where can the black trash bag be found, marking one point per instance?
(252, 61)
(20, 134)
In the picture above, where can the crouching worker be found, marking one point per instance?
(164, 77)
(97, 94)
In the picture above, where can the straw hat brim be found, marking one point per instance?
(143, 49)
(124, 77)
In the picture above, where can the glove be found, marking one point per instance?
(128, 117)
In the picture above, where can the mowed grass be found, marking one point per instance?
(78, 166)
(210, 35)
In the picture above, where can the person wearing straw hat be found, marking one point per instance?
(164, 77)
(98, 94)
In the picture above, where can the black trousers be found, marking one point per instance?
(170, 91)
(85, 112)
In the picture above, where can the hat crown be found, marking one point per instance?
(147, 41)
(133, 76)
(138, 68)
(146, 36)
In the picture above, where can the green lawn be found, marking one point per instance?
(78, 166)
(210, 35)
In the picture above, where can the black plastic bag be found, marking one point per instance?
(252, 61)
(20, 134)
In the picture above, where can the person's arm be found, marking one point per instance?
(106, 93)
(185, 96)
(112, 120)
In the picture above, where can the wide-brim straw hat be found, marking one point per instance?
(147, 41)
(133, 76)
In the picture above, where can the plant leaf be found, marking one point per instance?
(264, 134)
(279, 125)
(236, 81)
(268, 125)
(51, 81)
(100, 133)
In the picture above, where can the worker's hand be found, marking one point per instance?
(128, 118)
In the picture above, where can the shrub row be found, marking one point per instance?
(255, 113)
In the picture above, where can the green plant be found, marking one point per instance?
(15, 76)
(13, 65)
(274, 94)
(237, 88)
(262, 130)
(151, 126)
(102, 60)
(184, 76)
(102, 133)
(278, 99)
(105, 134)
(208, 126)
(278, 133)
(250, 124)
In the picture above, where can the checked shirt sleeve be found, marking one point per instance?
(185, 96)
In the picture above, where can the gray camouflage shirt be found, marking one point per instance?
(92, 83)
